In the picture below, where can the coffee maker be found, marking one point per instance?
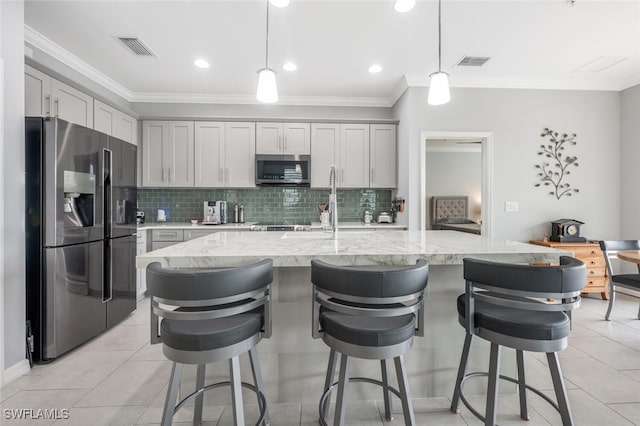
(214, 213)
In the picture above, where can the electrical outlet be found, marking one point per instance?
(511, 206)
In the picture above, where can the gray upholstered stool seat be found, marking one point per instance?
(516, 323)
(210, 334)
(610, 250)
(370, 313)
(368, 331)
(211, 315)
(505, 305)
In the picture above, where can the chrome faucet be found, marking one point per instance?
(333, 201)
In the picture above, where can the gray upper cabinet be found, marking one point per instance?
(283, 138)
(346, 146)
(364, 154)
(354, 156)
(209, 154)
(47, 97)
(115, 123)
(325, 151)
(38, 101)
(167, 153)
(383, 156)
(71, 105)
(225, 154)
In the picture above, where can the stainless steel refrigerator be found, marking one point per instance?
(80, 234)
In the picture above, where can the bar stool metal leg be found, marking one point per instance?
(197, 409)
(524, 412)
(403, 384)
(257, 379)
(492, 388)
(558, 386)
(331, 371)
(388, 408)
(236, 391)
(172, 394)
(343, 385)
(461, 371)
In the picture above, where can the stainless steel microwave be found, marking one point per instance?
(283, 170)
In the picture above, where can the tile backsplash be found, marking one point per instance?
(263, 204)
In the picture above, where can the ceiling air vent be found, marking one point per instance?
(137, 46)
(473, 61)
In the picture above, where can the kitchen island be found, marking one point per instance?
(294, 364)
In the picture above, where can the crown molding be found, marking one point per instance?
(160, 97)
(399, 90)
(631, 82)
(56, 51)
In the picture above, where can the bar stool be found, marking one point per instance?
(610, 250)
(369, 313)
(211, 315)
(505, 305)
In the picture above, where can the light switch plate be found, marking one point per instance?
(511, 206)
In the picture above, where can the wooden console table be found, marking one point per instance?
(589, 252)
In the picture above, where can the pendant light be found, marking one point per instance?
(439, 85)
(267, 87)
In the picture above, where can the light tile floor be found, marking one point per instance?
(119, 379)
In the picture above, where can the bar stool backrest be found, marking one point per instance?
(523, 286)
(381, 291)
(201, 294)
(610, 249)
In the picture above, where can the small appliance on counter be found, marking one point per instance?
(214, 213)
(384, 217)
(162, 215)
(139, 217)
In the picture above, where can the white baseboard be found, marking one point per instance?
(15, 371)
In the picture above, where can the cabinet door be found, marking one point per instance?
(240, 155)
(382, 156)
(71, 104)
(180, 153)
(155, 135)
(209, 154)
(37, 91)
(325, 151)
(269, 138)
(354, 156)
(103, 117)
(297, 138)
(125, 127)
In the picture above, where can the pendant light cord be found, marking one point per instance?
(266, 58)
(439, 38)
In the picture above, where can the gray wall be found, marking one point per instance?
(630, 164)
(454, 173)
(13, 311)
(516, 118)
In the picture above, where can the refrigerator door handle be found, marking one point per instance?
(107, 282)
(107, 191)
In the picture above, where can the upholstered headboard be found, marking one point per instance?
(443, 207)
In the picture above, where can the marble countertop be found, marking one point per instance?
(361, 225)
(289, 249)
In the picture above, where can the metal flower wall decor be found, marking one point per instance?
(553, 172)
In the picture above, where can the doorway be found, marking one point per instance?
(448, 141)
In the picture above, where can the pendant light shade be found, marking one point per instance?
(267, 87)
(439, 88)
(439, 85)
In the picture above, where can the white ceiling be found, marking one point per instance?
(533, 44)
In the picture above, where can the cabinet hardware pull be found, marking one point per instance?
(342, 175)
(48, 98)
(169, 174)
(57, 103)
(373, 179)
(285, 143)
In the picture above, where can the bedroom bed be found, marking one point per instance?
(451, 213)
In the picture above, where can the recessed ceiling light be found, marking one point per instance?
(375, 68)
(404, 5)
(290, 66)
(201, 63)
(279, 3)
